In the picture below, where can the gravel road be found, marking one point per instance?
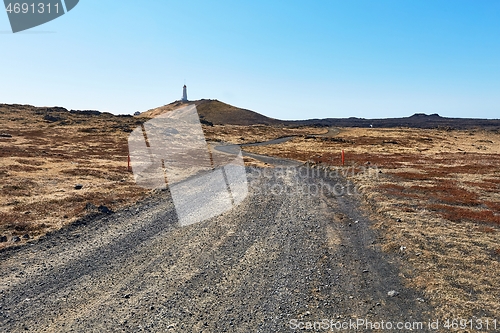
(284, 257)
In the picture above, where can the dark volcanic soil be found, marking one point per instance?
(284, 254)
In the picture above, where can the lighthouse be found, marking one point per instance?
(184, 94)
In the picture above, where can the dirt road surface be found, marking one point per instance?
(286, 256)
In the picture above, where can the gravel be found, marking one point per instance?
(274, 258)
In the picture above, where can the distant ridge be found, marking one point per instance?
(418, 120)
(219, 113)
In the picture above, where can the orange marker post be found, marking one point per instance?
(343, 157)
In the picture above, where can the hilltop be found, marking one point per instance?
(217, 113)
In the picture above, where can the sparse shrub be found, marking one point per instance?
(458, 214)
(21, 226)
(488, 230)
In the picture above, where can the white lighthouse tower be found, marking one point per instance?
(184, 94)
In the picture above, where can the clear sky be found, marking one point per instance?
(285, 59)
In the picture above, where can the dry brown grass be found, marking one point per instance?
(443, 188)
(43, 161)
(256, 133)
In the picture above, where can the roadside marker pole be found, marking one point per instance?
(128, 168)
(343, 157)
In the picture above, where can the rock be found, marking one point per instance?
(86, 112)
(26, 236)
(398, 220)
(78, 186)
(51, 118)
(392, 293)
(421, 300)
(5, 135)
(206, 122)
(3, 239)
(90, 206)
(15, 239)
(103, 209)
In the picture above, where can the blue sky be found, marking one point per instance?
(285, 59)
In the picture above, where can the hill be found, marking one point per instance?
(217, 113)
